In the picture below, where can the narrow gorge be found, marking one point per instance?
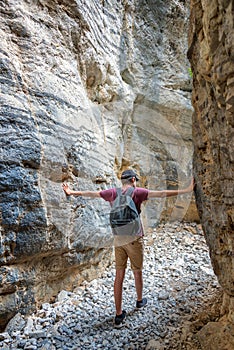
(88, 89)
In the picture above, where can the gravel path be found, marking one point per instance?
(178, 282)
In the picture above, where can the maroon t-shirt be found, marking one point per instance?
(139, 195)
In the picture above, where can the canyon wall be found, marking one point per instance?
(211, 53)
(88, 88)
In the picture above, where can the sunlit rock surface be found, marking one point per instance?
(211, 53)
(88, 88)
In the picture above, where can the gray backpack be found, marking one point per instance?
(124, 216)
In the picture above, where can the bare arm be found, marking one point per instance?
(90, 194)
(171, 193)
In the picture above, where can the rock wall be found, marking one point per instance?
(88, 88)
(211, 53)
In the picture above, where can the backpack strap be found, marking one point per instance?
(118, 191)
(130, 191)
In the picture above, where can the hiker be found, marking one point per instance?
(134, 249)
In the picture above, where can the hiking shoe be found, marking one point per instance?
(120, 319)
(141, 303)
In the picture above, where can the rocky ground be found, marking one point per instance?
(180, 286)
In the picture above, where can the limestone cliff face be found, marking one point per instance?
(88, 88)
(211, 54)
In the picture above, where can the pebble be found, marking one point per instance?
(178, 281)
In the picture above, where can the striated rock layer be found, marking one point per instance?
(88, 88)
(211, 53)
